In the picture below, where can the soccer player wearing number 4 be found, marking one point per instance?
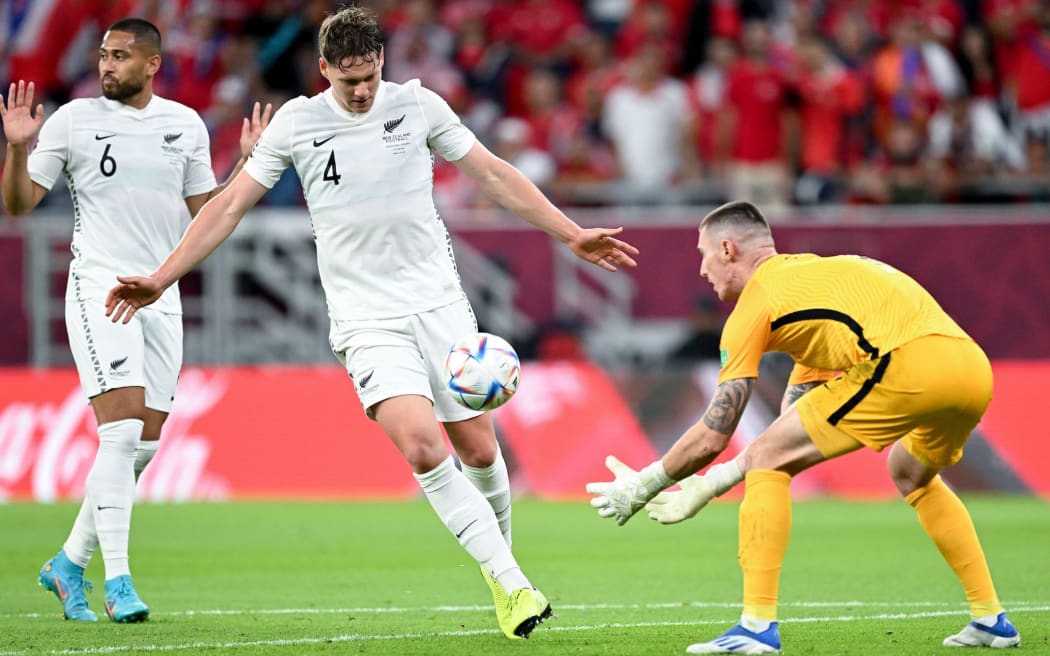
(910, 378)
(138, 167)
(363, 151)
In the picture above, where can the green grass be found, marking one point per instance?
(386, 578)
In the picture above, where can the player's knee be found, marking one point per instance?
(479, 455)
(423, 456)
(906, 471)
(905, 484)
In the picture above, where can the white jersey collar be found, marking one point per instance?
(128, 110)
(355, 117)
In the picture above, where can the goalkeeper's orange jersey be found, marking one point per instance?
(827, 313)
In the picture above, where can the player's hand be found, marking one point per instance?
(21, 123)
(600, 246)
(132, 294)
(629, 492)
(252, 129)
(674, 507)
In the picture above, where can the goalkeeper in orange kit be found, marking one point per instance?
(878, 363)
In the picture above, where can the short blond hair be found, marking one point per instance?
(740, 214)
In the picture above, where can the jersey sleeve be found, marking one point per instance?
(273, 152)
(448, 136)
(800, 373)
(49, 158)
(200, 177)
(745, 335)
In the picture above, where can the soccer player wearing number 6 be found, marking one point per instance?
(137, 166)
(878, 364)
(363, 152)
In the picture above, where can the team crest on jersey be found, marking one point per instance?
(170, 145)
(396, 141)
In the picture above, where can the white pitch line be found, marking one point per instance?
(475, 632)
(578, 607)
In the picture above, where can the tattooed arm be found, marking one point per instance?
(703, 441)
(695, 449)
(795, 392)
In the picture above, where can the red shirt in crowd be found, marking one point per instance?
(1032, 71)
(757, 93)
(826, 101)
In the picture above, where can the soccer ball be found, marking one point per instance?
(482, 371)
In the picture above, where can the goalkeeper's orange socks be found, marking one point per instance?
(765, 528)
(947, 522)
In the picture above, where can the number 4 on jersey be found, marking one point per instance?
(330, 172)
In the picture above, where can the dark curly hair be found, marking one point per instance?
(350, 34)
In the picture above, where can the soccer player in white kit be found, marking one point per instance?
(363, 151)
(138, 167)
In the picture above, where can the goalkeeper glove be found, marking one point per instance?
(630, 491)
(674, 507)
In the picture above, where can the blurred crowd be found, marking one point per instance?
(612, 102)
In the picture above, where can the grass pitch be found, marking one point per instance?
(386, 578)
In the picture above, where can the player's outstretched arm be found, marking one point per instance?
(694, 450)
(22, 123)
(214, 223)
(706, 439)
(507, 186)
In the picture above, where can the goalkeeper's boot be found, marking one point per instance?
(123, 603)
(519, 612)
(739, 640)
(999, 636)
(66, 579)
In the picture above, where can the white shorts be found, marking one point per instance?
(145, 352)
(404, 356)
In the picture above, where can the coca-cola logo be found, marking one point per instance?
(47, 447)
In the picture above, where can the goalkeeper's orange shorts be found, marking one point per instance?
(929, 394)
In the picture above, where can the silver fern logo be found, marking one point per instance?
(172, 136)
(392, 124)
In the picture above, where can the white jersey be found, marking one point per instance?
(382, 249)
(128, 171)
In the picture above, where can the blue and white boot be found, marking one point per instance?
(739, 640)
(1001, 635)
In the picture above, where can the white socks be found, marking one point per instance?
(83, 539)
(494, 484)
(111, 491)
(144, 452)
(472, 520)
(754, 624)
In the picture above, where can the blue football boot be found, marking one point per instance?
(999, 636)
(123, 603)
(739, 640)
(66, 580)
